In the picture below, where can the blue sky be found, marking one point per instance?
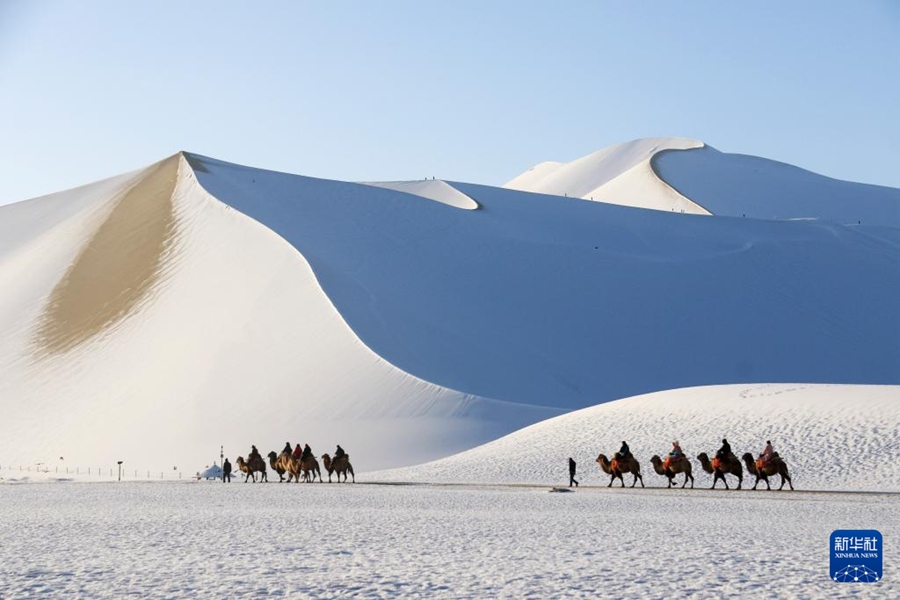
(468, 90)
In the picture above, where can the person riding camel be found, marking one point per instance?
(298, 452)
(624, 452)
(287, 448)
(768, 454)
(307, 452)
(676, 451)
(724, 452)
(254, 454)
(339, 452)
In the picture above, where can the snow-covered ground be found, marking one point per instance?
(833, 437)
(211, 540)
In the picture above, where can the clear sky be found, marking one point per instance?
(465, 90)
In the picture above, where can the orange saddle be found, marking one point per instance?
(716, 464)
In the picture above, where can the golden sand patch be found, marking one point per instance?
(117, 268)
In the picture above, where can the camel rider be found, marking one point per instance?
(624, 452)
(287, 448)
(339, 452)
(676, 452)
(307, 452)
(768, 454)
(298, 452)
(254, 454)
(725, 451)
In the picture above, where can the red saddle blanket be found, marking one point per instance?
(717, 464)
(761, 463)
(614, 465)
(670, 461)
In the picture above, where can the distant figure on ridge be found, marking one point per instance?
(572, 472)
(226, 471)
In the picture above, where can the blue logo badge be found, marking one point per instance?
(856, 556)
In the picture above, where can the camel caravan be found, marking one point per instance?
(297, 463)
(768, 464)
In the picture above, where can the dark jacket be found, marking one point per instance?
(571, 467)
(226, 467)
(287, 448)
(307, 452)
(339, 452)
(625, 451)
(725, 450)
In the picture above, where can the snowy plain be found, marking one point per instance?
(214, 540)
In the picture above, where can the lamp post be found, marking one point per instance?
(120, 470)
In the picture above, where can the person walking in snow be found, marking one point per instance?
(226, 471)
(572, 472)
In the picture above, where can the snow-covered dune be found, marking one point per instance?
(620, 174)
(739, 185)
(833, 437)
(682, 175)
(152, 323)
(194, 303)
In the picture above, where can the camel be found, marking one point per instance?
(256, 465)
(678, 465)
(617, 467)
(776, 466)
(310, 468)
(273, 462)
(731, 466)
(286, 463)
(340, 464)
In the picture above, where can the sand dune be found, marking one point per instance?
(833, 437)
(196, 303)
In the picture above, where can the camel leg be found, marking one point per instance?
(756, 483)
(352, 474)
(641, 477)
(692, 480)
(725, 481)
(685, 481)
(611, 479)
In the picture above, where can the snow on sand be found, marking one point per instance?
(834, 437)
